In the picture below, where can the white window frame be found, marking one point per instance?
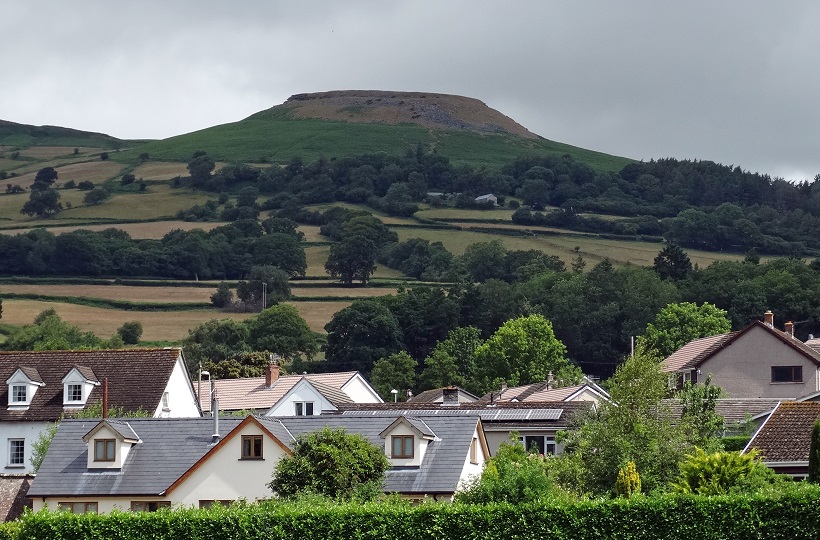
(70, 390)
(15, 398)
(165, 406)
(300, 408)
(17, 458)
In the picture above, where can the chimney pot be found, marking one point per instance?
(789, 328)
(768, 318)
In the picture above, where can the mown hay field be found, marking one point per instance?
(153, 230)
(51, 152)
(317, 257)
(94, 171)
(462, 213)
(160, 200)
(169, 326)
(160, 170)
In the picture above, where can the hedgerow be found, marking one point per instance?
(777, 515)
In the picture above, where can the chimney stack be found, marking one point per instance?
(450, 396)
(271, 372)
(768, 318)
(789, 328)
(550, 380)
(105, 398)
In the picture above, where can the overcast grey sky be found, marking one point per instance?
(733, 82)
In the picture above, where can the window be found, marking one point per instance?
(18, 393)
(538, 444)
(17, 451)
(251, 446)
(303, 408)
(73, 392)
(149, 506)
(78, 507)
(787, 374)
(165, 406)
(402, 446)
(474, 451)
(104, 449)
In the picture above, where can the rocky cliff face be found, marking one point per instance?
(437, 111)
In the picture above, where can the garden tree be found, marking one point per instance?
(440, 370)
(394, 372)
(698, 413)
(635, 426)
(628, 482)
(215, 341)
(523, 351)
(44, 179)
(513, 475)
(49, 332)
(42, 203)
(200, 168)
(359, 335)
(720, 473)
(223, 297)
(332, 463)
(130, 332)
(281, 330)
(452, 362)
(672, 262)
(814, 454)
(678, 324)
(270, 279)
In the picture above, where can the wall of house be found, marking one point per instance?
(302, 391)
(225, 476)
(471, 470)
(361, 392)
(743, 368)
(30, 432)
(419, 449)
(182, 401)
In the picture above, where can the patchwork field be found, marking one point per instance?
(317, 257)
(94, 171)
(153, 230)
(160, 170)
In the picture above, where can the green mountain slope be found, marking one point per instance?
(24, 136)
(340, 124)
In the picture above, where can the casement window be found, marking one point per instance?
(474, 451)
(251, 446)
(538, 444)
(165, 405)
(104, 449)
(303, 408)
(787, 374)
(19, 393)
(78, 507)
(17, 452)
(149, 506)
(402, 446)
(74, 393)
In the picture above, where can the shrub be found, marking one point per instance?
(719, 473)
(628, 482)
(130, 332)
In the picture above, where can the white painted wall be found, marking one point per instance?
(418, 451)
(360, 391)
(301, 391)
(470, 470)
(182, 402)
(30, 431)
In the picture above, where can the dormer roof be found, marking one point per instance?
(31, 374)
(136, 378)
(415, 424)
(86, 372)
(121, 428)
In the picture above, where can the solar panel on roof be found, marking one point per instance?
(486, 414)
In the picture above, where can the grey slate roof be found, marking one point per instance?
(170, 446)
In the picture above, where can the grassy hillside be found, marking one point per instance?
(23, 135)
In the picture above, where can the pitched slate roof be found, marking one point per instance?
(734, 410)
(136, 378)
(443, 461)
(696, 352)
(251, 392)
(171, 446)
(437, 395)
(786, 435)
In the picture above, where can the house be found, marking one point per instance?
(144, 464)
(534, 424)
(738, 413)
(290, 395)
(44, 386)
(784, 438)
(447, 394)
(758, 361)
(545, 391)
(488, 199)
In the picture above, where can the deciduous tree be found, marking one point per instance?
(678, 324)
(394, 372)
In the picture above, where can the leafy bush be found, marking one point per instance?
(628, 482)
(719, 473)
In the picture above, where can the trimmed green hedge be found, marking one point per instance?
(778, 516)
(105, 303)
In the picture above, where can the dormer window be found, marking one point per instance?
(303, 408)
(77, 385)
(402, 446)
(105, 449)
(23, 384)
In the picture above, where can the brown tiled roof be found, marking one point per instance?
(734, 410)
(136, 378)
(786, 435)
(30, 372)
(694, 352)
(251, 392)
(437, 394)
